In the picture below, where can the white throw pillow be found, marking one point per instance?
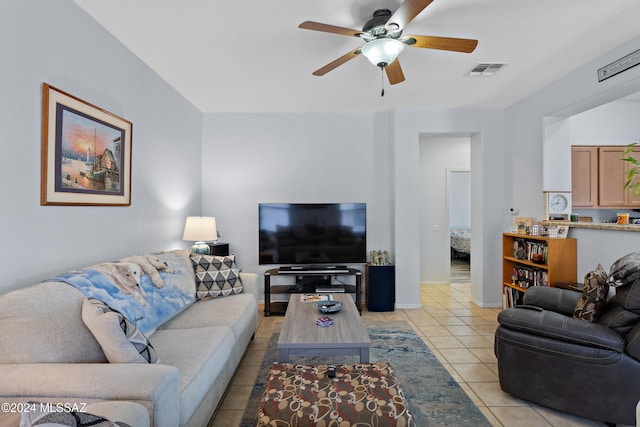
(120, 340)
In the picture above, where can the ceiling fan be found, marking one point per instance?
(384, 40)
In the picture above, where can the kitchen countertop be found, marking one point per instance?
(596, 225)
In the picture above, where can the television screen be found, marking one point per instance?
(312, 233)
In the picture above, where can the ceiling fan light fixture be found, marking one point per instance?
(382, 52)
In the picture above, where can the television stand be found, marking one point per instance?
(314, 269)
(306, 277)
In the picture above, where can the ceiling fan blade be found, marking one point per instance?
(336, 63)
(442, 43)
(394, 72)
(405, 14)
(326, 28)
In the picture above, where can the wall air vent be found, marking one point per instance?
(485, 69)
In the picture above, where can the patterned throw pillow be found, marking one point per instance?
(120, 340)
(216, 276)
(594, 295)
(39, 415)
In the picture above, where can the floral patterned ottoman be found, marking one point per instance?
(303, 395)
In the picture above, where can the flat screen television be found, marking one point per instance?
(312, 233)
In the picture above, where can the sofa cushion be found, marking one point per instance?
(594, 295)
(120, 340)
(618, 319)
(232, 312)
(216, 276)
(632, 341)
(46, 415)
(628, 296)
(43, 324)
(200, 355)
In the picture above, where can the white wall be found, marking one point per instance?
(615, 123)
(488, 190)
(56, 42)
(459, 195)
(253, 158)
(438, 154)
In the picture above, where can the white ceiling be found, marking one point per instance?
(250, 55)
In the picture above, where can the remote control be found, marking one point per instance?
(331, 371)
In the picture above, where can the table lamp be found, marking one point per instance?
(200, 229)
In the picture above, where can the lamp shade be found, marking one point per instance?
(382, 52)
(200, 229)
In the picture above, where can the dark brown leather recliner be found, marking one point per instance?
(587, 369)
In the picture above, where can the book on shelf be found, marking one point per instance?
(511, 297)
(315, 297)
(525, 276)
(526, 249)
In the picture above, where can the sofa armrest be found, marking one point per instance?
(250, 283)
(153, 386)
(546, 323)
(555, 299)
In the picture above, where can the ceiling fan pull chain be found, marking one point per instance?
(382, 81)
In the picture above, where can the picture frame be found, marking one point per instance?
(86, 153)
(563, 231)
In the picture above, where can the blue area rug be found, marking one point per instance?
(433, 396)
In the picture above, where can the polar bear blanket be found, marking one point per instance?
(125, 287)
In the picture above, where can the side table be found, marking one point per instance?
(219, 249)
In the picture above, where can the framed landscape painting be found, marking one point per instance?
(86, 153)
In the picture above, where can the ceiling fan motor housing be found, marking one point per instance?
(375, 26)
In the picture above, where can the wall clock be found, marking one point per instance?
(557, 205)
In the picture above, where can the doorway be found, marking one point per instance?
(459, 206)
(440, 154)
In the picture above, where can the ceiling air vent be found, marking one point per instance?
(485, 69)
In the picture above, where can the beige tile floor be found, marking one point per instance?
(458, 332)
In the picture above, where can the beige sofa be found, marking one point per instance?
(47, 353)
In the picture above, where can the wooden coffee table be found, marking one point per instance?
(301, 336)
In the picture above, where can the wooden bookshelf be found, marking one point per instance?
(519, 272)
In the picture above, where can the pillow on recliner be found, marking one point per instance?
(626, 270)
(594, 295)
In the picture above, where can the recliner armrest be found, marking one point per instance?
(546, 323)
(555, 299)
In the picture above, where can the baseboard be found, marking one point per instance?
(435, 282)
(408, 306)
(486, 305)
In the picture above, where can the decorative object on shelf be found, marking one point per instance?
(86, 153)
(553, 231)
(533, 230)
(379, 257)
(557, 205)
(523, 223)
(200, 229)
(563, 231)
(623, 218)
(328, 307)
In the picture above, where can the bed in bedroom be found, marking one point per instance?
(460, 242)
